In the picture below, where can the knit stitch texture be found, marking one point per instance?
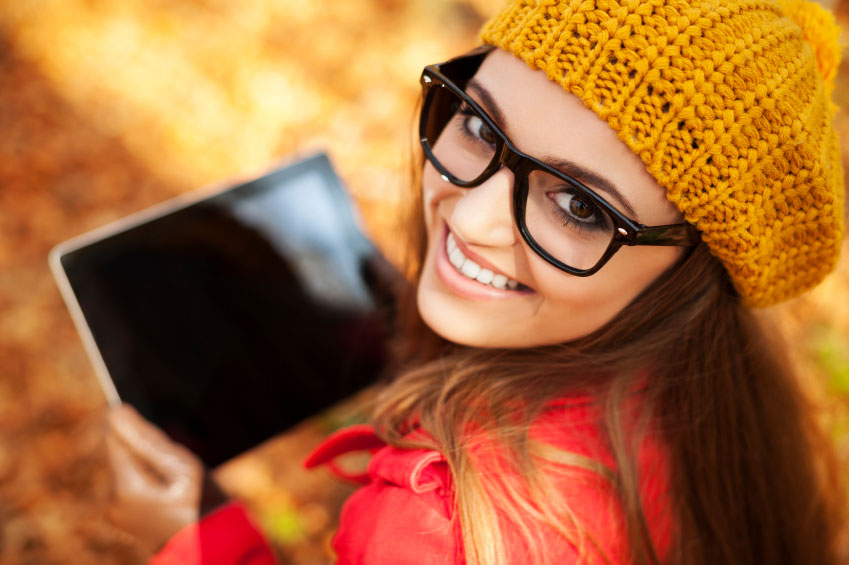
(727, 102)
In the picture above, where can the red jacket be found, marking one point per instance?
(403, 513)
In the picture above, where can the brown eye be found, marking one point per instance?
(487, 134)
(580, 208)
(478, 129)
(576, 208)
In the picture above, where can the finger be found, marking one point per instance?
(135, 484)
(150, 444)
(127, 474)
(131, 436)
(132, 427)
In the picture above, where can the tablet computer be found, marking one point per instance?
(227, 316)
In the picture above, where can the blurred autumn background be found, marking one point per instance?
(109, 107)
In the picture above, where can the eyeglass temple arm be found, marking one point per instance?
(674, 234)
(460, 69)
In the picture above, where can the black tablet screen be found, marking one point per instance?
(229, 320)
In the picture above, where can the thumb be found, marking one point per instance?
(129, 478)
(151, 447)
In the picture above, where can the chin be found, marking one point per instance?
(447, 323)
(485, 332)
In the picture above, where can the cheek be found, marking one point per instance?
(581, 305)
(435, 192)
(428, 196)
(577, 306)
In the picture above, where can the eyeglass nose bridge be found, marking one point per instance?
(509, 158)
(505, 157)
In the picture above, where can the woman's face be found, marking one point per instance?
(548, 306)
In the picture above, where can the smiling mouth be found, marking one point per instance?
(475, 272)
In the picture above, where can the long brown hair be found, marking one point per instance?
(753, 477)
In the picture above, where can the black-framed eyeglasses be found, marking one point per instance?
(561, 219)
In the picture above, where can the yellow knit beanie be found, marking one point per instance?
(728, 104)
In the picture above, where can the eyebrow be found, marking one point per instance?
(590, 178)
(488, 102)
(565, 166)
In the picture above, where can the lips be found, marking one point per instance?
(472, 275)
(473, 270)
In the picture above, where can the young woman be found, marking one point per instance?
(607, 189)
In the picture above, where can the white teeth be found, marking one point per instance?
(456, 258)
(451, 244)
(485, 276)
(472, 270)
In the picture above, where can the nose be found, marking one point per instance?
(484, 214)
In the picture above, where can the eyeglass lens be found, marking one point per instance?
(560, 216)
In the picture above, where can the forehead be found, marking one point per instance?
(545, 121)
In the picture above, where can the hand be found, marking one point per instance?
(157, 483)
